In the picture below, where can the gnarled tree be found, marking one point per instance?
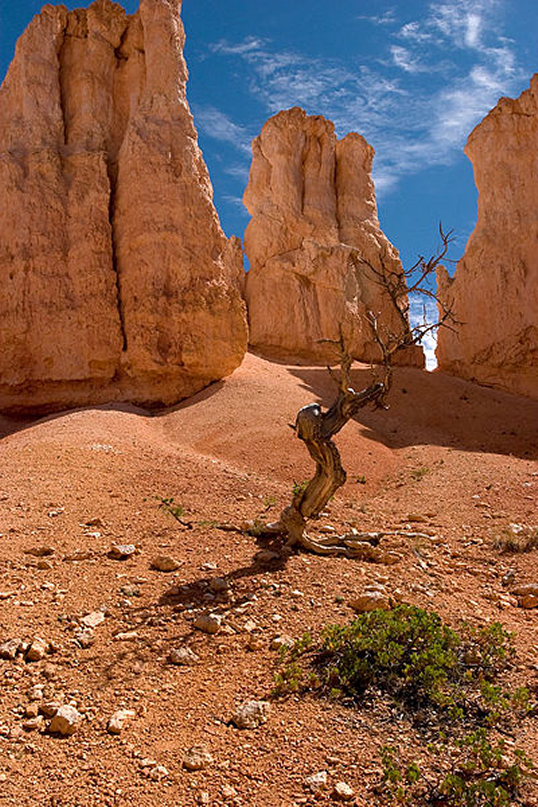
(316, 427)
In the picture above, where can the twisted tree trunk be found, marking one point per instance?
(316, 429)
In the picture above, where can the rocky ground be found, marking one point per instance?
(115, 653)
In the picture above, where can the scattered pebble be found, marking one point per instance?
(251, 714)
(317, 781)
(65, 721)
(116, 724)
(183, 657)
(343, 792)
(121, 551)
(93, 620)
(196, 758)
(165, 563)
(208, 623)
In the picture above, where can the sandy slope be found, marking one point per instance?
(462, 457)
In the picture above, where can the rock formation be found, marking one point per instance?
(314, 215)
(494, 293)
(118, 282)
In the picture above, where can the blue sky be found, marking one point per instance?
(413, 76)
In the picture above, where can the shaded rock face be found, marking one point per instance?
(494, 293)
(117, 282)
(314, 212)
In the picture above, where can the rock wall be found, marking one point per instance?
(494, 293)
(313, 206)
(117, 281)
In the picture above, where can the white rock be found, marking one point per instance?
(251, 714)
(116, 724)
(196, 758)
(93, 620)
(343, 792)
(65, 721)
(317, 781)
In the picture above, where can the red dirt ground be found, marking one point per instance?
(461, 457)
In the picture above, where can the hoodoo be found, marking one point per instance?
(117, 280)
(494, 293)
(313, 237)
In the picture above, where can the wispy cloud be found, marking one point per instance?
(387, 18)
(424, 312)
(216, 124)
(415, 102)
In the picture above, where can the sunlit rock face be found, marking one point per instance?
(494, 293)
(314, 215)
(117, 281)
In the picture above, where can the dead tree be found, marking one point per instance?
(316, 428)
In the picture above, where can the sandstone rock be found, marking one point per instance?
(317, 781)
(196, 758)
(165, 563)
(314, 217)
(37, 650)
(159, 773)
(183, 657)
(65, 721)
(40, 551)
(370, 601)
(118, 281)
(525, 590)
(9, 649)
(93, 620)
(343, 792)
(251, 714)
(208, 623)
(494, 293)
(278, 642)
(121, 551)
(529, 601)
(116, 724)
(85, 637)
(218, 585)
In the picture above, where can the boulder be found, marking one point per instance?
(118, 282)
(494, 293)
(311, 243)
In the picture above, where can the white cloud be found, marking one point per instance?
(216, 124)
(387, 18)
(423, 311)
(415, 102)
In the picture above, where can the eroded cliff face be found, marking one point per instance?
(117, 281)
(314, 214)
(494, 293)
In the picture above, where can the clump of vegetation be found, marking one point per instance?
(299, 487)
(177, 511)
(447, 681)
(517, 538)
(418, 474)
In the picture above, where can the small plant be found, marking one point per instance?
(177, 511)
(299, 487)
(517, 538)
(418, 474)
(269, 502)
(448, 681)
(361, 480)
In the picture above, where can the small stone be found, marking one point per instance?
(146, 762)
(32, 710)
(65, 721)
(79, 554)
(228, 792)
(208, 623)
(40, 551)
(266, 556)
(196, 758)
(317, 781)
(35, 723)
(529, 601)
(49, 708)
(343, 792)
(93, 620)
(218, 585)
(35, 693)
(85, 637)
(251, 714)
(203, 797)
(209, 566)
(121, 551)
(371, 601)
(165, 563)
(38, 650)
(183, 657)
(9, 649)
(5, 595)
(526, 589)
(45, 565)
(254, 642)
(116, 724)
(159, 773)
(126, 636)
(281, 641)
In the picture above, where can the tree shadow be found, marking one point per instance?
(434, 408)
